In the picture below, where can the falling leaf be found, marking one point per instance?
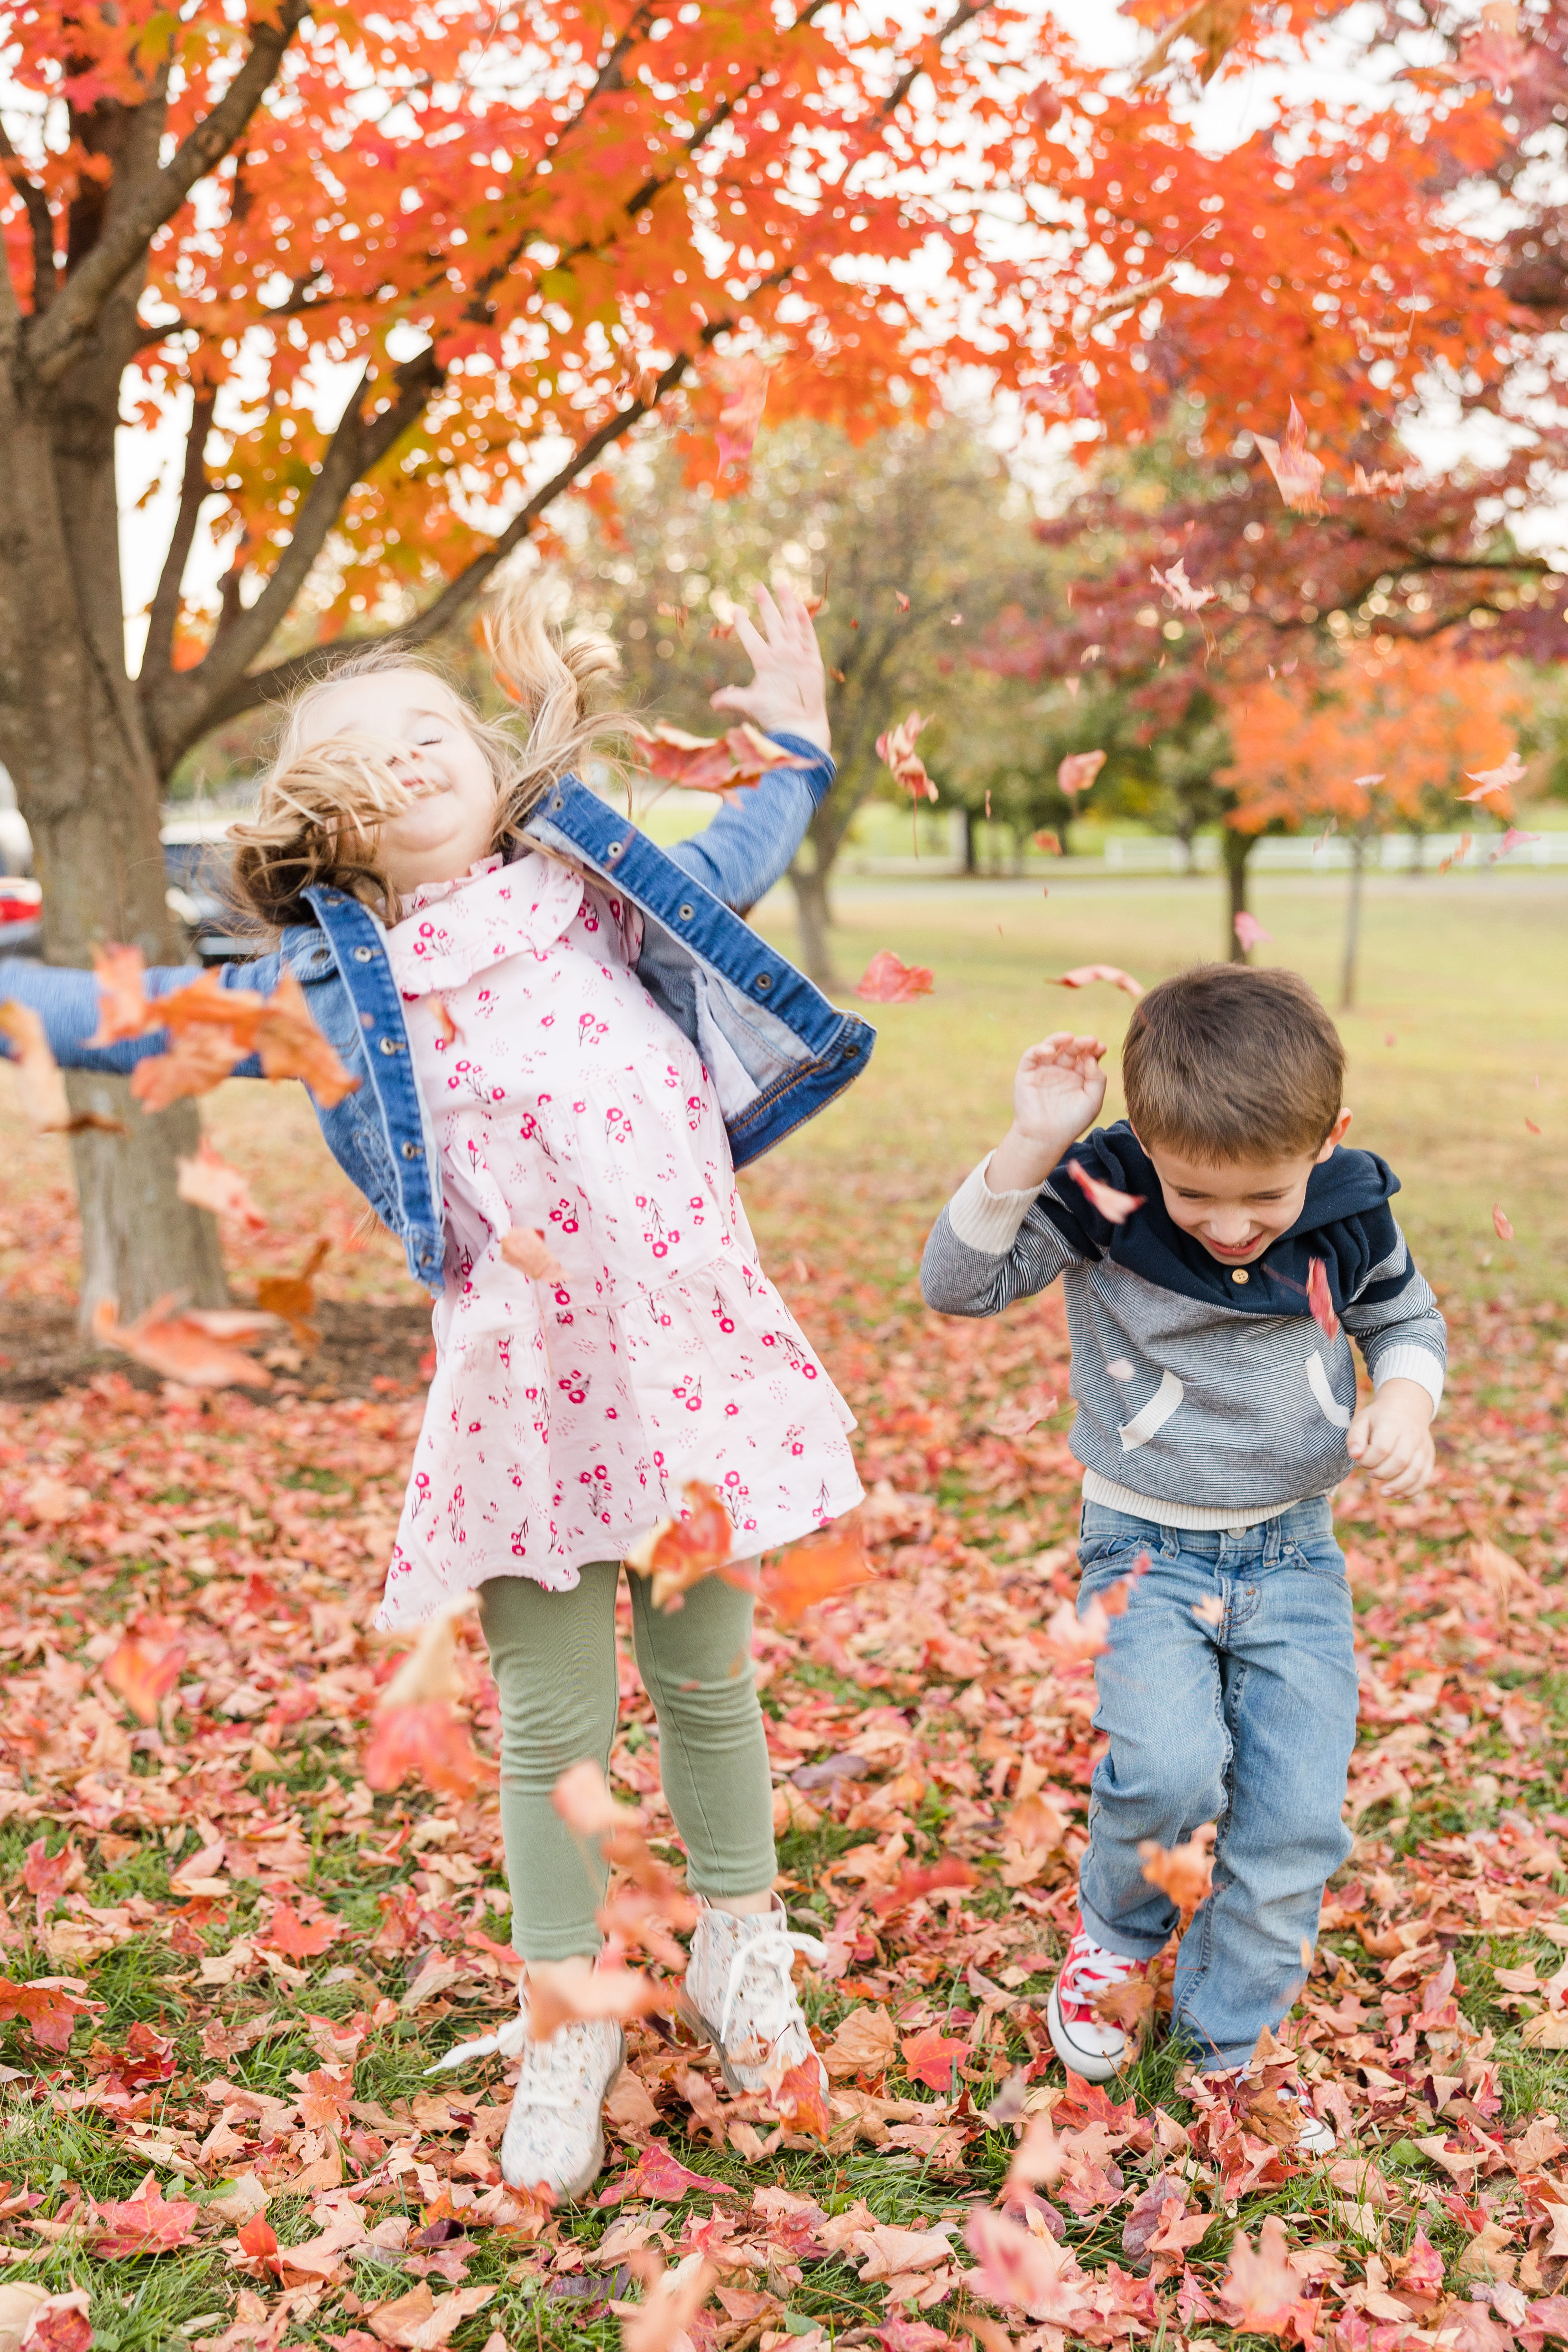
(1530, 1123)
(47, 2010)
(818, 1569)
(1250, 931)
(1262, 2288)
(1183, 595)
(143, 1678)
(885, 980)
(1043, 106)
(1514, 840)
(1185, 1873)
(1020, 2270)
(1494, 780)
(1210, 1610)
(1084, 975)
(607, 1991)
(895, 749)
(145, 2223)
(931, 2056)
(524, 1246)
(671, 2301)
(40, 1089)
(176, 1344)
(1074, 1636)
(1113, 1206)
(1320, 1299)
(291, 1046)
(1079, 771)
(429, 1744)
(680, 1552)
(120, 974)
(707, 764)
(208, 1182)
(1049, 842)
(743, 377)
(1297, 472)
(1501, 1225)
(1017, 1419)
(292, 1296)
(1119, 1369)
(926, 1878)
(194, 1066)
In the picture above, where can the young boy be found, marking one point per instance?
(1214, 1418)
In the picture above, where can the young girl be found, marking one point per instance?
(524, 1028)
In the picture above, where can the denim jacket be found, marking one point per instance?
(777, 1050)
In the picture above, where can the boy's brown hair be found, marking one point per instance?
(1226, 1063)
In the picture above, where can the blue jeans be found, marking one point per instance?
(1248, 1723)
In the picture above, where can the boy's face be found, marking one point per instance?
(1237, 1209)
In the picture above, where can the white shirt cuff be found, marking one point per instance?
(987, 1221)
(1411, 1363)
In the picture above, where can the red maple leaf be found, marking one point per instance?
(147, 2223)
(887, 980)
(300, 1939)
(664, 2179)
(429, 1742)
(45, 2008)
(930, 2057)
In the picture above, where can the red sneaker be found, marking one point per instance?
(1083, 2040)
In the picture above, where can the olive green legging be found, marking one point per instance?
(553, 1658)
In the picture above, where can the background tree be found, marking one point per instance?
(914, 541)
(1372, 742)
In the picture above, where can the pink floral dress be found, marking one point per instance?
(565, 1416)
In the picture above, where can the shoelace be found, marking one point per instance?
(775, 1951)
(1090, 1970)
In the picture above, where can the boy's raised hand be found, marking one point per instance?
(1057, 1093)
(789, 694)
(1391, 1439)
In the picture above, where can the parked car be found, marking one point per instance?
(195, 864)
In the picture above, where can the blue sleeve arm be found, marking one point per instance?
(749, 846)
(65, 1000)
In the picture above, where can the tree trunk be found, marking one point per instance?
(814, 915)
(967, 815)
(71, 734)
(1185, 837)
(1353, 924)
(1238, 848)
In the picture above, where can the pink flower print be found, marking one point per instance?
(694, 1112)
(561, 1214)
(590, 1029)
(795, 1438)
(618, 1126)
(520, 1542)
(598, 1482)
(730, 1411)
(688, 1393)
(455, 1516)
(725, 1321)
(794, 1352)
(575, 1386)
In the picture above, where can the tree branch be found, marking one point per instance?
(964, 14)
(37, 206)
(56, 339)
(157, 658)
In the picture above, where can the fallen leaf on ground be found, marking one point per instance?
(420, 2320)
(46, 2008)
(930, 2057)
(1261, 2288)
(146, 2223)
(866, 2042)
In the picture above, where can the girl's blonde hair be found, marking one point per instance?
(321, 806)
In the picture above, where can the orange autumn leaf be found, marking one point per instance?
(195, 1064)
(610, 1992)
(924, 1878)
(885, 980)
(178, 1344)
(799, 2098)
(1114, 1207)
(671, 2301)
(429, 1743)
(292, 1296)
(143, 1678)
(705, 763)
(40, 1088)
(1501, 1224)
(680, 1552)
(46, 2008)
(1084, 975)
(1299, 474)
(120, 973)
(526, 1248)
(931, 2056)
(207, 1182)
(300, 1939)
(814, 1571)
(1185, 1873)
(1078, 772)
(291, 1046)
(1262, 2288)
(743, 378)
(896, 749)
(146, 2223)
(213, 1027)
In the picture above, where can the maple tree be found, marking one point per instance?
(1392, 734)
(545, 230)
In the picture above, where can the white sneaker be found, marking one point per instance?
(739, 1994)
(1083, 2040)
(1317, 2136)
(554, 2136)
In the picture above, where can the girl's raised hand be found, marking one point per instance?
(1057, 1093)
(788, 695)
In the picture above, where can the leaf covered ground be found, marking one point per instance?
(227, 1962)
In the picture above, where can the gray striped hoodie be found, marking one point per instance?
(1207, 1396)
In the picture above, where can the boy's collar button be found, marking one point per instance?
(1239, 1274)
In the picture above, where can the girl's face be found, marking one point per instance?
(448, 822)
